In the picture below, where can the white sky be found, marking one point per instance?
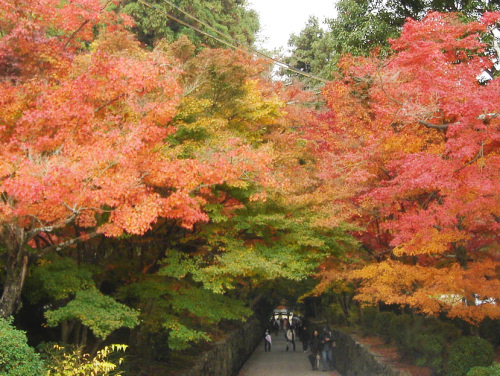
(280, 18)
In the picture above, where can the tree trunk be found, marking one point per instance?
(67, 327)
(95, 347)
(16, 267)
(83, 336)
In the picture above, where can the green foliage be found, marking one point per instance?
(493, 370)
(180, 336)
(382, 324)
(263, 241)
(312, 52)
(368, 316)
(16, 357)
(215, 307)
(57, 279)
(490, 330)
(188, 311)
(101, 313)
(429, 349)
(468, 352)
(401, 331)
(360, 27)
(63, 361)
(229, 17)
(424, 339)
(336, 314)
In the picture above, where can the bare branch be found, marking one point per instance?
(61, 246)
(81, 27)
(441, 127)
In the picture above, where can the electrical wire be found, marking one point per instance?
(235, 44)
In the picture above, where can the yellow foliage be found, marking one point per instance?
(64, 362)
(431, 241)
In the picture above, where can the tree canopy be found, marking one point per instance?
(415, 135)
(153, 183)
(367, 26)
(232, 18)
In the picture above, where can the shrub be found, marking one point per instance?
(16, 357)
(401, 331)
(493, 370)
(430, 348)
(382, 324)
(490, 330)
(466, 353)
(71, 361)
(368, 315)
(448, 330)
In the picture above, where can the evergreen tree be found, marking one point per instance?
(232, 18)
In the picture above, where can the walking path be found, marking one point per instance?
(279, 362)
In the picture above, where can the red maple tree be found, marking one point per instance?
(415, 137)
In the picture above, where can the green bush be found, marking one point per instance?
(448, 330)
(493, 370)
(368, 316)
(490, 330)
(466, 353)
(383, 324)
(16, 357)
(430, 348)
(401, 331)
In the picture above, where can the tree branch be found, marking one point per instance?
(81, 27)
(479, 155)
(58, 247)
(441, 127)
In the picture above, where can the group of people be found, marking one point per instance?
(322, 349)
(320, 345)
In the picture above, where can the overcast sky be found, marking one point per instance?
(280, 18)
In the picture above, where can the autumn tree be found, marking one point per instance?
(165, 177)
(262, 226)
(360, 26)
(415, 137)
(84, 136)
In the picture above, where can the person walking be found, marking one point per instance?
(267, 341)
(316, 346)
(276, 326)
(304, 337)
(290, 338)
(327, 351)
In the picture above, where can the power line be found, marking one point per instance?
(235, 44)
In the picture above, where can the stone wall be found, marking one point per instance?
(353, 359)
(228, 355)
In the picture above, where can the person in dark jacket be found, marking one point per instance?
(316, 346)
(304, 337)
(327, 351)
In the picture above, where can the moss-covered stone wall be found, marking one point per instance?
(228, 356)
(354, 359)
